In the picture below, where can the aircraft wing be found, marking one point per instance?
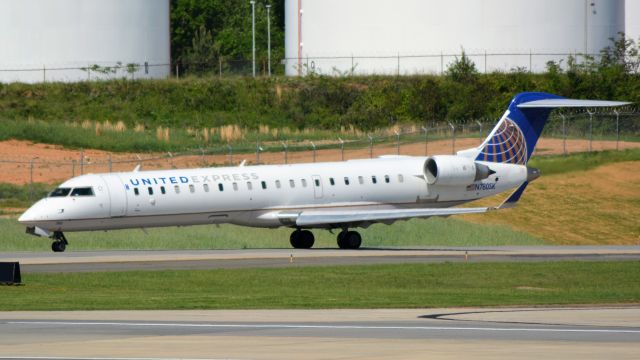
(335, 217)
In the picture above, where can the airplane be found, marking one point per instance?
(331, 195)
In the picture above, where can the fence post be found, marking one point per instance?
(230, 153)
(453, 138)
(177, 72)
(480, 126)
(370, 147)
(258, 152)
(44, 74)
(31, 179)
(203, 159)
(110, 164)
(485, 61)
(564, 135)
(314, 151)
(73, 168)
(530, 61)
(397, 143)
(426, 140)
(219, 66)
(341, 149)
(441, 63)
(617, 127)
(590, 129)
(286, 148)
(81, 161)
(398, 73)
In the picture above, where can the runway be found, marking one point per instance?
(526, 333)
(91, 261)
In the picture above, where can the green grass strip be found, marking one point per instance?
(370, 286)
(560, 164)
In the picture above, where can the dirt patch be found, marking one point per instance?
(54, 164)
(595, 207)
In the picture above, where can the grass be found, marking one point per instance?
(560, 164)
(432, 232)
(369, 286)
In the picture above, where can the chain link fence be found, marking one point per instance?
(328, 65)
(564, 134)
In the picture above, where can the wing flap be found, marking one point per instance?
(313, 218)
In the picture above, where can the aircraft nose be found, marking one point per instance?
(33, 214)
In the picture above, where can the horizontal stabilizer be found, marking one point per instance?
(570, 103)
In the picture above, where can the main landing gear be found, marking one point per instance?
(349, 239)
(303, 239)
(59, 242)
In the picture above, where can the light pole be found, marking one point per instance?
(253, 34)
(268, 6)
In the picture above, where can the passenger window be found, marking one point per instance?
(292, 183)
(150, 190)
(235, 186)
(278, 184)
(331, 181)
(136, 191)
(192, 188)
(249, 185)
(205, 187)
(162, 190)
(360, 180)
(400, 178)
(387, 179)
(304, 182)
(373, 179)
(176, 189)
(83, 191)
(346, 180)
(60, 192)
(220, 187)
(317, 181)
(264, 185)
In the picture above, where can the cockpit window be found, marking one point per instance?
(82, 191)
(60, 192)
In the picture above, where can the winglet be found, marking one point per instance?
(514, 197)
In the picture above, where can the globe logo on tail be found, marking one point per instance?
(507, 145)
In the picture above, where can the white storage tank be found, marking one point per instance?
(51, 40)
(423, 36)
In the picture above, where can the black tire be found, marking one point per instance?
(352, 240)
(58, 246)
(342, 243)
(302, 239)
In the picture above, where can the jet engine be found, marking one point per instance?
(454, 170)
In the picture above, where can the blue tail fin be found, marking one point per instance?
(515, 136)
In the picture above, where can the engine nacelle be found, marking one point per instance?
(454, 170)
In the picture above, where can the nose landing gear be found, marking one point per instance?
(59, 242)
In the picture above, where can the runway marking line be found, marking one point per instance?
(334, 327)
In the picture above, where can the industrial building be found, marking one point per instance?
(60, 40)
(425, 36)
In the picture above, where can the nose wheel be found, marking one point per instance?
(59, 242)
(349, 240)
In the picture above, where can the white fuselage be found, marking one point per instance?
(255, 195)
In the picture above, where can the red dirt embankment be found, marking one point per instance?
(53, 163)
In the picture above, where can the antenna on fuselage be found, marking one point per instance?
(242, 163)
(137, 168)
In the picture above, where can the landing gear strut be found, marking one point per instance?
(349, 239)
(302, 239)
(59, 242)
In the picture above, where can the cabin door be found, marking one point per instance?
(317, 186)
